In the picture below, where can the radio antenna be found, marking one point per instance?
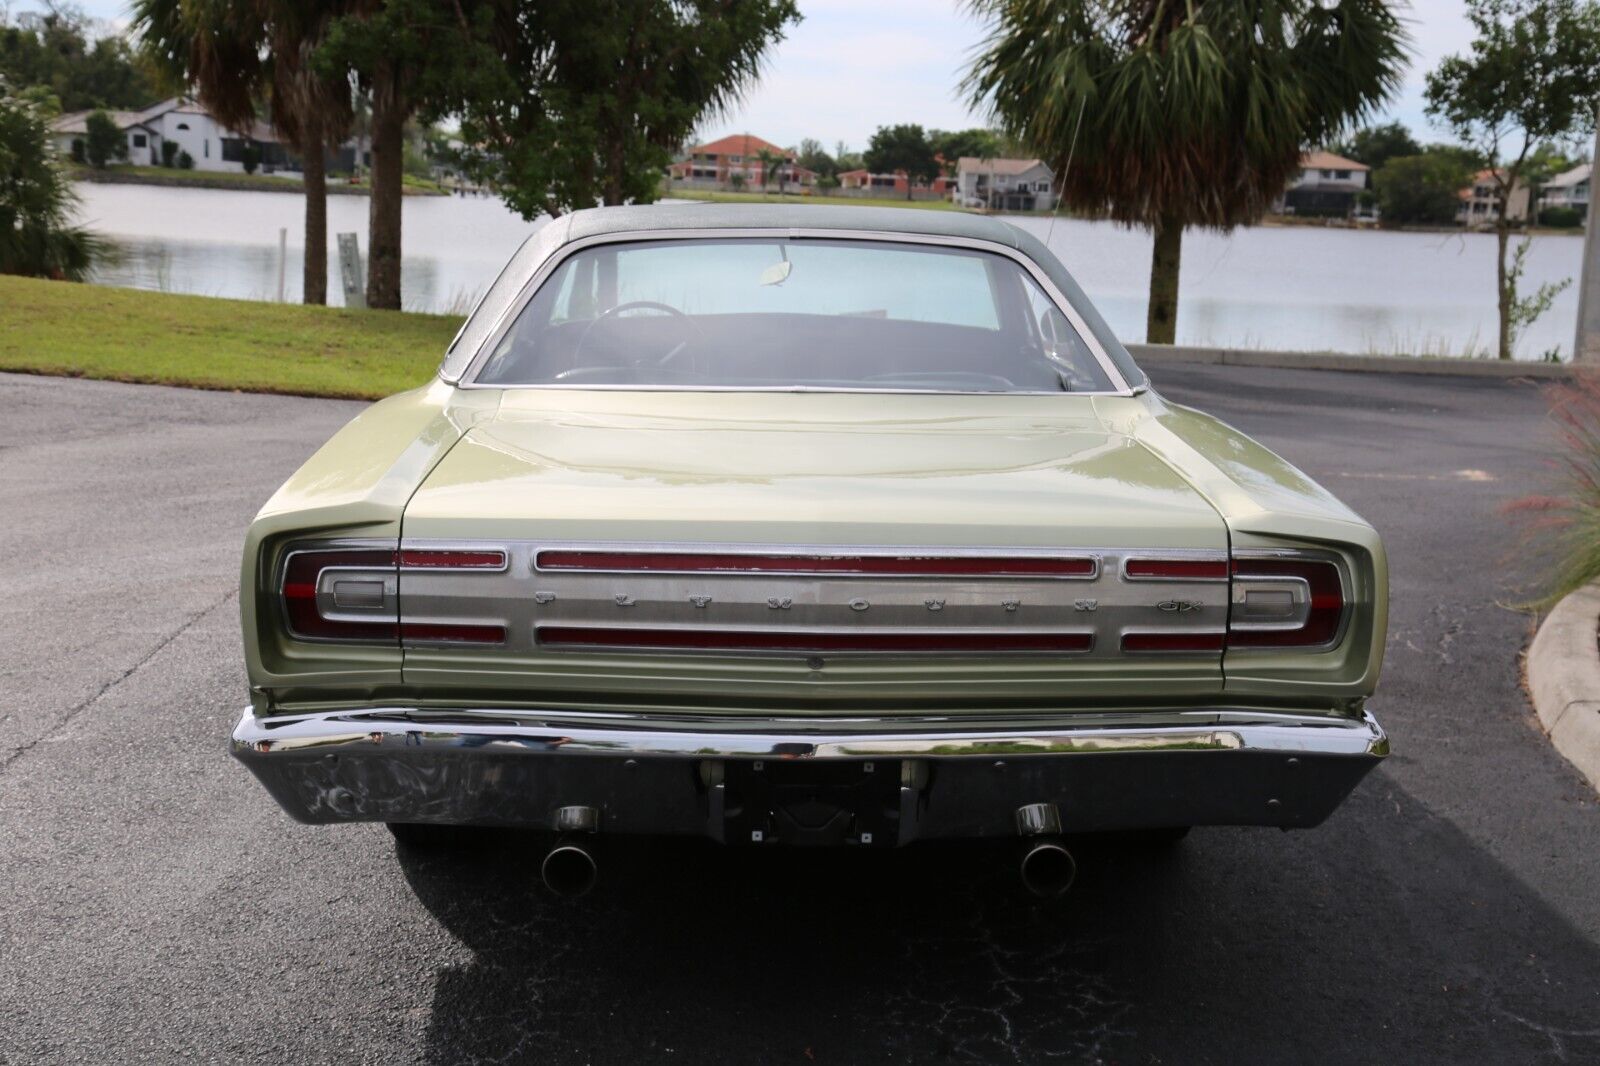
(1071, 150)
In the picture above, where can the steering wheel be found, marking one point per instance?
(635, 305)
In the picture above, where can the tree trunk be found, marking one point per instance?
(1502, 287)
(314, 166)
(383, 217)
(1161, 320)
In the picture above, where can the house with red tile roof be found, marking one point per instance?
(716, 163)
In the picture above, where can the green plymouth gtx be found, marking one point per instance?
(803, 525)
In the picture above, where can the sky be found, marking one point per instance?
(854, 65)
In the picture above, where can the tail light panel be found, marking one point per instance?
(1286, 599)
(351, 594)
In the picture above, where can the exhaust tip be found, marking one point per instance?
(1047, 869)
(569, 870)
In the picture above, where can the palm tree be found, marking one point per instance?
(37, 236)
(1181, 114)
(771, 167)
(234, 51)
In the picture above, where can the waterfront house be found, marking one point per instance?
(1326, 186)
(184, 123)
(1479, 201)
(715, 164)
(1004, 184)
(1569, 189)
(863, 182)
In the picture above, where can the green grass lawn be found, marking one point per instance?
(57, 327)
(682, 193)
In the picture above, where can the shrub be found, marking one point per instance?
(250, 156)
(104, 141)
(37, 236)
(1561, 217)
(1419, 189)
(169, 153)
(77, 151)
(185, 161)
(1565, 526)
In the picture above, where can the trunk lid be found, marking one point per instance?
(802, 551)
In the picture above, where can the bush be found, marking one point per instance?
(37, 236)
(250, 156)
(77, 151)
(169, 153)
(104, 141)
(1565, 526)
(185, 161)
(1561, 217)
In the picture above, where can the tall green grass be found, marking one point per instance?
(1564, 526)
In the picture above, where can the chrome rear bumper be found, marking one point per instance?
(931, 777)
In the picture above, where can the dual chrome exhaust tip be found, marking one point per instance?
(1047, 869)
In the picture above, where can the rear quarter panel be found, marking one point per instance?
(354, 487)
(1269, 503)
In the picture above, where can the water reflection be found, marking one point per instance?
(1263, 287)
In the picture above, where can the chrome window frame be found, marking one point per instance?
(508, 317)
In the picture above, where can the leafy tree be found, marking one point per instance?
(593, 94)
(951, 145)
(1376, 145)
(53, 50)
(1177, 115)
(411, 57)
(235, 51)
(1420, 189)
(1533, 75)
(814, 157)
(903, 147)
(844, 159)
(37, 236)
(103, 142)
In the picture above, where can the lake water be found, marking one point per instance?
(1292, 288)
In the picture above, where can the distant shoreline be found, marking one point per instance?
(199, 179)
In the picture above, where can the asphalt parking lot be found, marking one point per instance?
(155, 904)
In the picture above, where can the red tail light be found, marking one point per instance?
(352, 594)
(1284, 602)
(865, 565)
(358, 600)
(803, 641)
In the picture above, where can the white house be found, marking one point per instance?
(1326, 185)
(1480, 201)
(185, 124)
(1568, 189)
(1004, 184)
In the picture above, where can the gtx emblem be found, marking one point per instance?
(699, 601)
(1085, 605)
(1179, 605)
(779, 604)
(933, 605)
(859, 605)
(624, 600)
(544, 597)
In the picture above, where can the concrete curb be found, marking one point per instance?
(1564, 679)
(1158, 354)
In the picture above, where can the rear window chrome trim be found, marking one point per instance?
(468, 378)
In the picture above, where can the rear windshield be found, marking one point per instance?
(769, 313)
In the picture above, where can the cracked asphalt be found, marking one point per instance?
(156, 905)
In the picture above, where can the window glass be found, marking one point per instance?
(806, 313)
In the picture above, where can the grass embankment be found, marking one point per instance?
(220, 179)
(55, 327)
